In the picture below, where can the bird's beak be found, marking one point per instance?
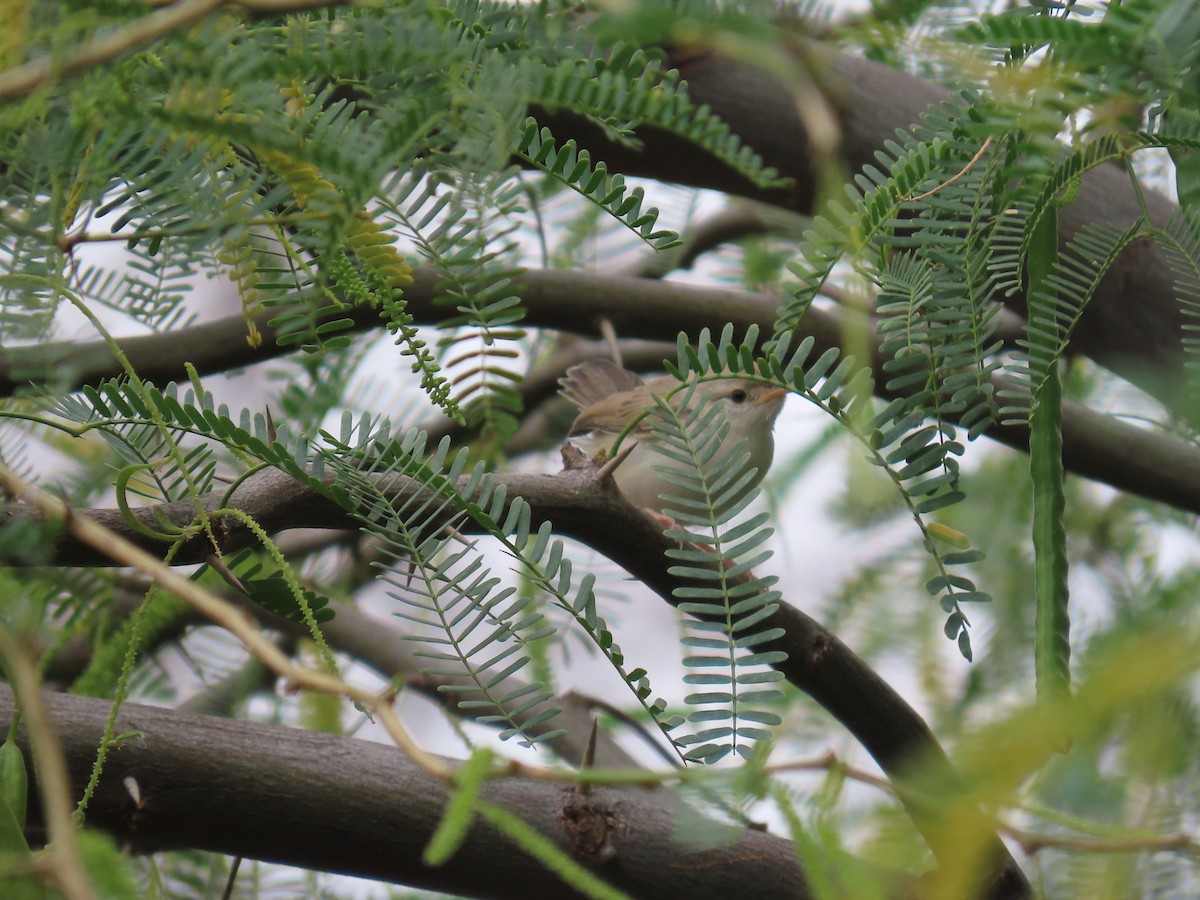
(774, 395)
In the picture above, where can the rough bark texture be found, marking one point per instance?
(595, 513)
(364, 808)
(1155, 465)
(342, 805)
(1132, 325)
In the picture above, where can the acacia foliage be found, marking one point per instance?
(312, 159)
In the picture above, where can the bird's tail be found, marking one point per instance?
(592, 381)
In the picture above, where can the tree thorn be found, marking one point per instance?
(218, 565)
(589, 758)
(605, 471)
(610, 337)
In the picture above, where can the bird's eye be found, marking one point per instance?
(738, 396)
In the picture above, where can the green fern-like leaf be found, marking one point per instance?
(1182, 252)
(920, 459)
(475, 632)
(1053, 313)
(270, 590)
(464, 228)
(573, 167)
(629, 87)
(726, 601)
(852, 225)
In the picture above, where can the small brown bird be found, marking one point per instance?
(610, 397)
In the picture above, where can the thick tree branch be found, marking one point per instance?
(1151, 464)
(328, 802)
(381, 646)
(1133, 323)
(818, 662)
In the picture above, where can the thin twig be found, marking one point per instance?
(1034, 843)
(965, 169)
(66, 864)
(630, 722)
(610, 337)
(25, 79)
(830, 762)
(226, 615)
(1030, 842)
(232, 879)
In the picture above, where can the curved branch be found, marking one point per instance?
(1153, 465)
(25, 79)
(1133, 323)
(596, 513)
(329, 802)
(379, 645)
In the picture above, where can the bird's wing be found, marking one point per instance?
(595, 380)
(614, 412)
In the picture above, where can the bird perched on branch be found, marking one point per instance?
(744, 412)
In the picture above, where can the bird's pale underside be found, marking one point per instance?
(610, 398)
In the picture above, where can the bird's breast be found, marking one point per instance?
(647, 475)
